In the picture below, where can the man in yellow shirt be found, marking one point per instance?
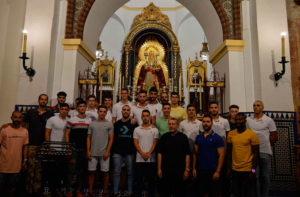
(243, 148)
(177, 111)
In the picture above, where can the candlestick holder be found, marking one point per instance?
(279, 75)
(29, 71)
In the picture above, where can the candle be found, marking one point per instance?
(283, 34)
(24, 40)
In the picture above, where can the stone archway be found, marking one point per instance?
(79, 11)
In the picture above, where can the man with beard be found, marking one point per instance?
(242, 147)
(142, 105)
(220, 124)
(173, 161)
(209, 152)
(152, 101)
(36, 121)
(164, 98)
(123, 149)
(233, 111)
(13, 141)
(221, 127)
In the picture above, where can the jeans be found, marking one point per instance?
(117, 161)
(263, 174)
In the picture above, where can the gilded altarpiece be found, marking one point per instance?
(151, 54)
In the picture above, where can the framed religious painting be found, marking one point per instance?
(107, 70)
(196, 73)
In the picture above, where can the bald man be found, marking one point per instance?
(13, 141)
(265, 129)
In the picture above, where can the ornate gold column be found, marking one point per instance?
(126, 48)
(175, 50)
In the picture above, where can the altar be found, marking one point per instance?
(151, 58)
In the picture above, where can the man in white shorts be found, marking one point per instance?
(140, 106)
(99, 142)
(117, 108)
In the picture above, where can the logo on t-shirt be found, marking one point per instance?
(124, 130)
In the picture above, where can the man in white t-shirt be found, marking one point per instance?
(108, 103)
(91, 111)
(266, 131)
(117, 108)
(220, 125)
(191, 127)
(140, 106)
(145, 139)
(152, 101)
(55, 132)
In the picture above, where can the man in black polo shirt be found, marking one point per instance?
(173, 164)
(36, 122)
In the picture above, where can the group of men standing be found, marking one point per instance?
(165, 148)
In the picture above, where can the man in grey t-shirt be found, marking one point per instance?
(99, 142)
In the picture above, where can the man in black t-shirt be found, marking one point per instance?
(35, 120)
(123, 148)
(173, 161)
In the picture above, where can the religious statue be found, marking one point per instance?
(151, 70)
(196, 77)
(105, 76)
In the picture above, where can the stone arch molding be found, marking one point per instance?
(86, 16)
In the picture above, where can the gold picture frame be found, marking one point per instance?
(196, 71)
(107, 70)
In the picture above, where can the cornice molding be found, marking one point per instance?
(227, 45)
(81, 47)
(161, 8)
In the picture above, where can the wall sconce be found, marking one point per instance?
(29, 71)
(278, 75)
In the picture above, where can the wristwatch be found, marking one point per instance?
(253, 170)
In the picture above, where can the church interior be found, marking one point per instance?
(229, 51)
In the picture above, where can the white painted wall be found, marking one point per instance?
(271, 21)
(38, 22)
(11, 21)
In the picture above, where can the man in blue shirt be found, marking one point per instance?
(209, 152)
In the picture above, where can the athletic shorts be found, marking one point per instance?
(104, 164)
